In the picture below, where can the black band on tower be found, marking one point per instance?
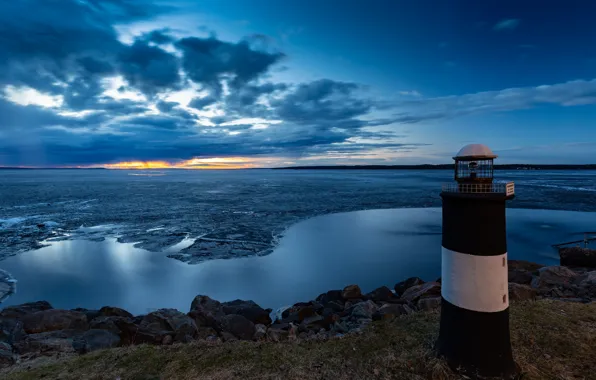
(476, 342)
(474, 224)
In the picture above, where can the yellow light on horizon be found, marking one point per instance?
(194, 163)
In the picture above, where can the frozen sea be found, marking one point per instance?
(143, 240)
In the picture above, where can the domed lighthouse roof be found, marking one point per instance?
(475, 151)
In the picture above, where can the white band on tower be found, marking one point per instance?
(477, 283)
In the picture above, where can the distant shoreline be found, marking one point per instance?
(356, 167)
(440, 167)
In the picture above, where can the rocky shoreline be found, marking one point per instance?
(34, 330)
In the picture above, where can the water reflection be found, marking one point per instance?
(371, 248)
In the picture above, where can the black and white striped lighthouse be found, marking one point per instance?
(474, 333)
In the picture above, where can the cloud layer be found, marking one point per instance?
(72, 93)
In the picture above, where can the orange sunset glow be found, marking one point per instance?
(195, 163)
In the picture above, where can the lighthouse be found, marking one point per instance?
(474, 331)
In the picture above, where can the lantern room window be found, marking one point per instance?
(479, 170)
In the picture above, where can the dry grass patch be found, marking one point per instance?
(552, 340)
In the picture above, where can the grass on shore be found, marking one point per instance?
(551, 340)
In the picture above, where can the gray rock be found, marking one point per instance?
(167, 340)
(110, 311)
(7, 358)
(408, 309)
(206, 332)
(249, 310)
(552, 276)
(19, 311)
(430, 303)
(90, 314)
(519, 292)
(340, 327)
(578, 256)
(335, 306)
(364, 310)
(429, 289)
(96, 339)
(316, 321)
(54, 319)
(11, 330)
(239, 326)
(381, 294)
(260, 332)
(107, 323)
(277, 335)
(206, 304)
(389, 311)
(170, 321)
(401, 287)
(228, 336)
(330, 296)
(520, 276)
(51, 342)
(351, 292)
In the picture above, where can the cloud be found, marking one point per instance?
(579, 92)
(82, 96)
(149, 68)
(507, 24)
(208, 60)
(322, 101)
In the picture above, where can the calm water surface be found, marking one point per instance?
(370, 248)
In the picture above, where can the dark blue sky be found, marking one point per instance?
(265, 82)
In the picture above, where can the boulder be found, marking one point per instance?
(335, 306)
(260, 332)
(587, 285)
(167, 340)
(578, 257)
(107, 323)
(19, 311)
(382, 294)
(401, 287)
(389, 311)
(170, 321)
(314, 322)
(331, 296)
(95, 339)
(351, 292)
(206, 304)
(364, 310)
(429, 289)
(306, 312)
(11, 330)
(520, 276)
(121, 326)
(553, 276)
(228, 337)
(48, 343)
(523, 265)
(277, 335)
(90, 314)
(110, 311)
(204, 317)
(519, 292)
(7, 358)
(430, 303)
(54, 319)
(239, 326)
(249, 310)
(206, 332)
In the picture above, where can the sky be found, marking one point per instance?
(267, 83)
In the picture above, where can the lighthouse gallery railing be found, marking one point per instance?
(507, 188)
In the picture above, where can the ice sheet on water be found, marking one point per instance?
(230, 214)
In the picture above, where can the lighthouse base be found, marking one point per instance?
(476, 344)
